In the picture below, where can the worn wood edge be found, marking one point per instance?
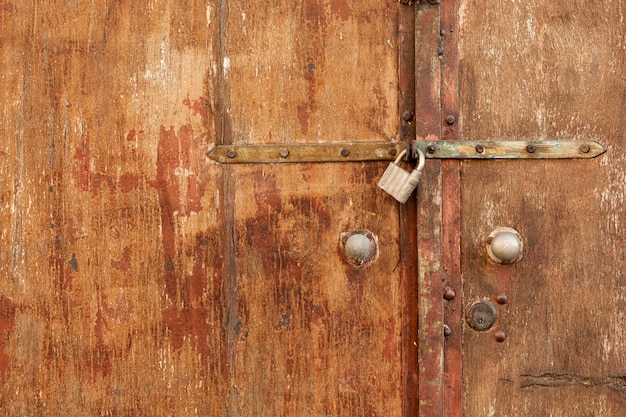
(451, 214)
(501, 149)
(408, 217)
(298, 153)
(429, 220)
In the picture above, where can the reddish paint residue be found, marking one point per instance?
(317, 10)
(341, 9)
(303, 117)
(7, 321)
(198, 107)
(82, 159)
(88, 180)
(125, 262)
(132, 134)
(181, 182)
(7, 7)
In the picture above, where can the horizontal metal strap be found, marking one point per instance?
(313, 152)
(385, 151)
(501, 149)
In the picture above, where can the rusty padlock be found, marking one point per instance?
(400, 183)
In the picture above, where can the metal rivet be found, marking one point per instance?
(449, 294)
(284, 152)
(480, 148)
(450, 119)
(393, 152)
(431, 149)
(447, 331)
(504, 245)
(500, 336)
(345, 152)
(502, 299)
(231, 153)
(531, 149)
(481, 315)
(407, 116)
(585, 148)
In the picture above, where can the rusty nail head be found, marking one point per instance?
(447, 331)
(502, 299)
(431, 149)
(407, 116)
(480, 148)
(284, 152)
(500, 336)
(345, 152)
(585, 148)
(450, 119)
(231, 153)
(531, 148)
(449, 294)
(393, 152)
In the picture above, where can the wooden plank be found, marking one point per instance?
(451, 213)
(312, 334)
(559, 69)
(408, 216)
(429, 218)
(110, 279)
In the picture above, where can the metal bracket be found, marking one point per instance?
(312, 152)
(495, 149)
(385, 151)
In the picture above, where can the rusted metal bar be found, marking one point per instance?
(474, 149)
(298, 153)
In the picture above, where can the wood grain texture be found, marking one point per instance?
(548, 70)
(313, 335)
(137, 277)
(110, 281)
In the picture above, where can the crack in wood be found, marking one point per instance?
(617, 383)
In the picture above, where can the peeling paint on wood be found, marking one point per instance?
(549, 70)
(139, 278)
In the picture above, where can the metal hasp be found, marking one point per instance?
(502, 149)
(386, 151)
(312, 152)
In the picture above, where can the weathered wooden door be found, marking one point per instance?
(511, 70)
(140, 278)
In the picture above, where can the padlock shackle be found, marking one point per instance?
(400, 157)
(422, 160)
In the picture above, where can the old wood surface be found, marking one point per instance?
(137, 277)
(545, 70)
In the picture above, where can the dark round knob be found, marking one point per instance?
(481, 315)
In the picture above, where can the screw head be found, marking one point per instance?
(431, 149)
(585, 148)
(531, 149)
(345, 152)
(500, 336)
(450, 119)
(284, 153)
(407, 116)
(480, 148)
(231, 153)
